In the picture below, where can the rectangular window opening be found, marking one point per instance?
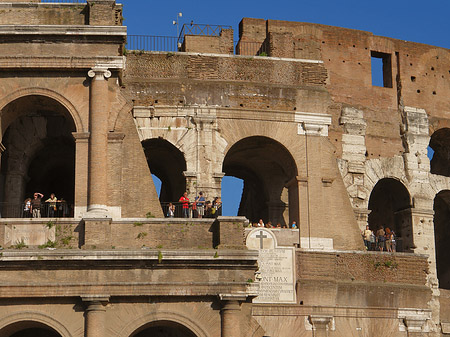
(381, 69)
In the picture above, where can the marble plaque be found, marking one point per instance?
(276, 268)
(30, 234)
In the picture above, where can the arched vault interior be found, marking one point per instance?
(440, 143)
(265, 166)
(163, 329)
(168, 164)
(389, 206)
(40, 150)
(442, 237)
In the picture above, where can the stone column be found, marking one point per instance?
(81, 170)
(98, 145)
(95, 313)
(231, 312)
(320, 325)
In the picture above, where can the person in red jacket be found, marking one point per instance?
(185, 203)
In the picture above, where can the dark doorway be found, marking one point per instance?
(168, 164)
(39, 155)
(390, 205)
(164, 329)
(442, 237)
(266, 167)
(440, 143)
(36, 332)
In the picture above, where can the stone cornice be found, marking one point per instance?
(63, 30)
(62, 62)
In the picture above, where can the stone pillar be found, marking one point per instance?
(95, 315)
(98, 145)
(320, 325)
(115, 195)
(81, 169)
(231, 312)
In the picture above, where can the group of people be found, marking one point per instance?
(383, 240)
(32, 207)
(269, 224)
(201, 208)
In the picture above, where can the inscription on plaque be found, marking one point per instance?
(276, 268)
(32, 235)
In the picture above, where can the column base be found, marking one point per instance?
(103, 211)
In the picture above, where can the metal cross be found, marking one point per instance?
(261, 237)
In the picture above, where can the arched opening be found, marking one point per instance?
(163, 329)
(442, 237)
(39, 154)
(266, 167)
(29, 329)
(168, 164)
(390, 207)
(440, 144)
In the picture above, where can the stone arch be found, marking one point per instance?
(168, 163)
(440, 143)
(29, 319)
(35, 91)
(441, 209)
(266, 166)
(39, 145)
(390, 207)
(141, 323)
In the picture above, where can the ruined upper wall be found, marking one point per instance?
(94, 13)
(415, 75)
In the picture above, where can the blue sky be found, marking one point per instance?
(412, 20)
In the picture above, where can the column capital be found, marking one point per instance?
(321, 322)
(99, 73)
(81, 136)
(95, 302)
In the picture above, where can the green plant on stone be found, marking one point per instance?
(48, 244)
(141, 235)
(20, 244)
(138, 224)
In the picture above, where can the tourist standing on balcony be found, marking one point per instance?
(27, 208)
(36, 205)
(52, 205)
(171, 210)
(200, 203)
(185, 202)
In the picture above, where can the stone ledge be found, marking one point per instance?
(62, 30)
(144, 254)
(68, 62)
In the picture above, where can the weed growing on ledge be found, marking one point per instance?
(160, 256)
(138, 224)
(149, 215)
(48, 244)
(20, 244)
(50, 224)
(141, 235)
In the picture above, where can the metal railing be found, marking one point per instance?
(152, 43)
(17, 210)
(192, 211)
(143, 43)
(200, 29)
